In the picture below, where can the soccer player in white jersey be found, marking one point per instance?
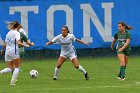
(67, 51)
(12, 52)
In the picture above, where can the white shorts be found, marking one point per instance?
(70, 56)
(10, 55)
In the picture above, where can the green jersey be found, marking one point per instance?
(122, 39)
(23, 37)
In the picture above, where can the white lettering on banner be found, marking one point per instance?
(24, 14)
(89, 13)
(50, 19)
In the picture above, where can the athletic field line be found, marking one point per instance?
(135, 83)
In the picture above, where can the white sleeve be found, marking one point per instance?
(55, 39)
(73, 38)
(17, 36)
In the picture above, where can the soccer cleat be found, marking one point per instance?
(12, 84)
(122, 79)
(86, 76)
(54, 78)
(119, 78)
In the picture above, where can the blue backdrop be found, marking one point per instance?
(94, 21)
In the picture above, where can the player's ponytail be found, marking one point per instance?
(128, 27)
(13, 25)
(67, 28)
(125, 25)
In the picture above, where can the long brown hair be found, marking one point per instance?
(125, 25)
(13, 25)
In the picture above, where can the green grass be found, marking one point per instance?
(102, 72)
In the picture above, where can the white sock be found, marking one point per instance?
(15, 75)
(82, 69)
(56, 72)
(6, 70)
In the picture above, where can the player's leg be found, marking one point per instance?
(22, 55)
(76, 65)
(9, 64)
(126, 53)
(8, 69)
(21, 52)
(16, 63)
(126, 60)
(61, 60)
(121, 58)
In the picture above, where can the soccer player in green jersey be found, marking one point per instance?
(123, 47)
(23, 38)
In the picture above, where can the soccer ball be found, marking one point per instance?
(34, 73)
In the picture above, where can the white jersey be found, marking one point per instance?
(11, 41)
(66, 43)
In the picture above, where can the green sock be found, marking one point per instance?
(123, 71)
(119, 75)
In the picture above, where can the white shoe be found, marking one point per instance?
(119, 78)
(122, 79)
(13, 82)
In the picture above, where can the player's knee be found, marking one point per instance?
(122, 63)
(58, 66)
(76, 66)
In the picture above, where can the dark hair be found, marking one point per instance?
(13, 24)
(16, 24)
(66, 28)
(125, 25)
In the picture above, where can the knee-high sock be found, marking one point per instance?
(123, 71)
(119, 75)
(82, 69)
(6, 70)
(56, 72)
(15, 75)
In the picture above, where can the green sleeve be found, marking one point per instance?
(128, 36)
(23, 37)
(116, 36)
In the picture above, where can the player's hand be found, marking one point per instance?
(47, 43)
(26, 46)
(86, 43)
(32, 44)
(120, 50)
(112, 47)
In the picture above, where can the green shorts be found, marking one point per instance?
(21, 52)
(125, 52)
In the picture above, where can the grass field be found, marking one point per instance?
(102, 72)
